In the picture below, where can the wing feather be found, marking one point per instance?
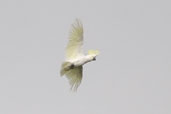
(74, 76)
(74, 47)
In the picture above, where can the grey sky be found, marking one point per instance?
(131, 75)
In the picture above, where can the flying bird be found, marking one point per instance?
(72, 67)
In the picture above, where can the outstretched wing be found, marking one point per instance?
(74, 47)
(74, 76)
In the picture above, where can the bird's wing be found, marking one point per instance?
(74, 47)
(74, 76)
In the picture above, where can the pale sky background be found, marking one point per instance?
(132, 75)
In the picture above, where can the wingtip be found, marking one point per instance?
(77, 22)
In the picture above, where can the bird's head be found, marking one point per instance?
(93, 54)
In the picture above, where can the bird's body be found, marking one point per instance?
(75, 59)
(82, 60)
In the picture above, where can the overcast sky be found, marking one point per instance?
(132, 74)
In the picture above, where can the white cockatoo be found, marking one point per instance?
(72, 67)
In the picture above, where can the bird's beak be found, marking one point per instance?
(94, 58)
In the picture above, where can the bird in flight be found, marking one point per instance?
(72, 67)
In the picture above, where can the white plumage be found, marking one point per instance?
(72, 67)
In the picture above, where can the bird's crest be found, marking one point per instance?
(93, 52)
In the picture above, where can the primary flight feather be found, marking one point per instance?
(72, 67)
